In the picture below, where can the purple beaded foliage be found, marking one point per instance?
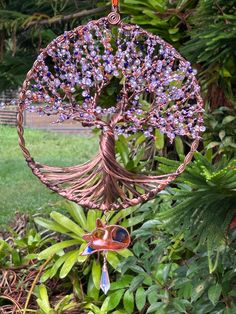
(158, 88)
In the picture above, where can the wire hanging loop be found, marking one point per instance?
(115, 5)
(114, 17)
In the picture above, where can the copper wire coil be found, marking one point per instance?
(114, 18)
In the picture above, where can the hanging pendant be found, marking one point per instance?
(106, 238)
(103, 239)
(105, 279)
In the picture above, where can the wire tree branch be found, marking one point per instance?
(59, 19)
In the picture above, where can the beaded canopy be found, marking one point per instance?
(155, 88)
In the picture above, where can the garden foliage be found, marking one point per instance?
(182, 257)
(163, 272)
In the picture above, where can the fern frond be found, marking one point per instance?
(204, 209)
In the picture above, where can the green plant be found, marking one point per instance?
(220, 134)
(19, 250)
(203, 203)
(163, 273)
(138, 155)
(168, 275)
(165, 18)
(18, 261)
(67, 252)
(66, 303)
(211, 46)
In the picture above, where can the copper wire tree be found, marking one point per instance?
(156, 88)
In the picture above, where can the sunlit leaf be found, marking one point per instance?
(140, 298)
(128, 301)
(68, 264)
(52, 250)
(214, 293)
(96, 273)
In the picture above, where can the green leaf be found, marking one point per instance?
(228, 119)
(114, 299)
(123, 282)
(152, 296)
(175, 37)
(140, 298)
(128, 301)
(94, 309)
(173, 31)
(138, 157)
(222, 134)
(123, 152)
(80, 258)
(69, 263)
(232, 293)
(77, 213)
(65, 303)
(141, 138)
(43, 294)
(92, 291)
(113, 260)
(179, 146)
(122, 214)
(228, 311)
(46, 275)
(16, 258)
(133, 221)
(67, 223)
(52, 250)
(198, 290)
(91, 220)
(58, 264)
(187, 290)
(179, 305)
(158, 5)
(155, 307)
(225, 73)
(50, 225)
(96, 273)
(44, 309)
(167, 162)
(136, 282)
(104, 308)
(212, 145)
(125, 253)
(214, 293)
(159, 139)
(166, 272)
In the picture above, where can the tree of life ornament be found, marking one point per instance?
(157, 89)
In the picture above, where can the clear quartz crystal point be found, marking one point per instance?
(105, 280)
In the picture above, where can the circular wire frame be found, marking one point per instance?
(103, 183)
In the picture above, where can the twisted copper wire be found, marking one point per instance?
(101, 183)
